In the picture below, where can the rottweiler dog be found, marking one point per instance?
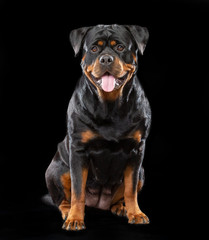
(99, 163)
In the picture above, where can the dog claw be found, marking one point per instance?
(76, 226)
(83, 227)
(64, 226)
(133, 221)
(116, 212)
(69, 227)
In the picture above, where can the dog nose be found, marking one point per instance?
(106, 59)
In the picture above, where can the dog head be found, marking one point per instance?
(109, 55)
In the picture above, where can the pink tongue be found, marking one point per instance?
(108, 83)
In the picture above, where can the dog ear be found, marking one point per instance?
(76, 38)
(140, 35)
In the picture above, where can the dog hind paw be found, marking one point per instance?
(119, 209)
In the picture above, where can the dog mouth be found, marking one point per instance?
(107, 82)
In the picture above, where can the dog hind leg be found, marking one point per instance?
(58, 182)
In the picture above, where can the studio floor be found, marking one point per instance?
(44, 222)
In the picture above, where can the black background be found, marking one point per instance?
(38, 73)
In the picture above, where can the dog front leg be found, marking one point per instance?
(132, 184)
(79, 173)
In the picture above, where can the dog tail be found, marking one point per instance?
(47, 200)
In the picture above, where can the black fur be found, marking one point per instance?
(112, 151)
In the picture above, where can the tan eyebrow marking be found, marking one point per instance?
(100, 43)
(113, 43)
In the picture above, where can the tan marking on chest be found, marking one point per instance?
(88, 135)
(137, 136)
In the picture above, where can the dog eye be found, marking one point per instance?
(120, 47)
(94, 49)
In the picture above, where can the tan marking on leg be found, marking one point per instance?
(75, 219)
(130, 196)
(64, 207)
(66, 183)
(117, 204)
(140, 185)
(134, 214)
(119, 194)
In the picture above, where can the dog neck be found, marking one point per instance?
(112, 114)
(102, 109)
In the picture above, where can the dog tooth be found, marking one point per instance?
(99, 81)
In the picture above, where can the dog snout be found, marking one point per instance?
(106, 59)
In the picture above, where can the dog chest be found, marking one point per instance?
(108, 160)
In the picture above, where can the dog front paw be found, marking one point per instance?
(73, 225)
(139, 218)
